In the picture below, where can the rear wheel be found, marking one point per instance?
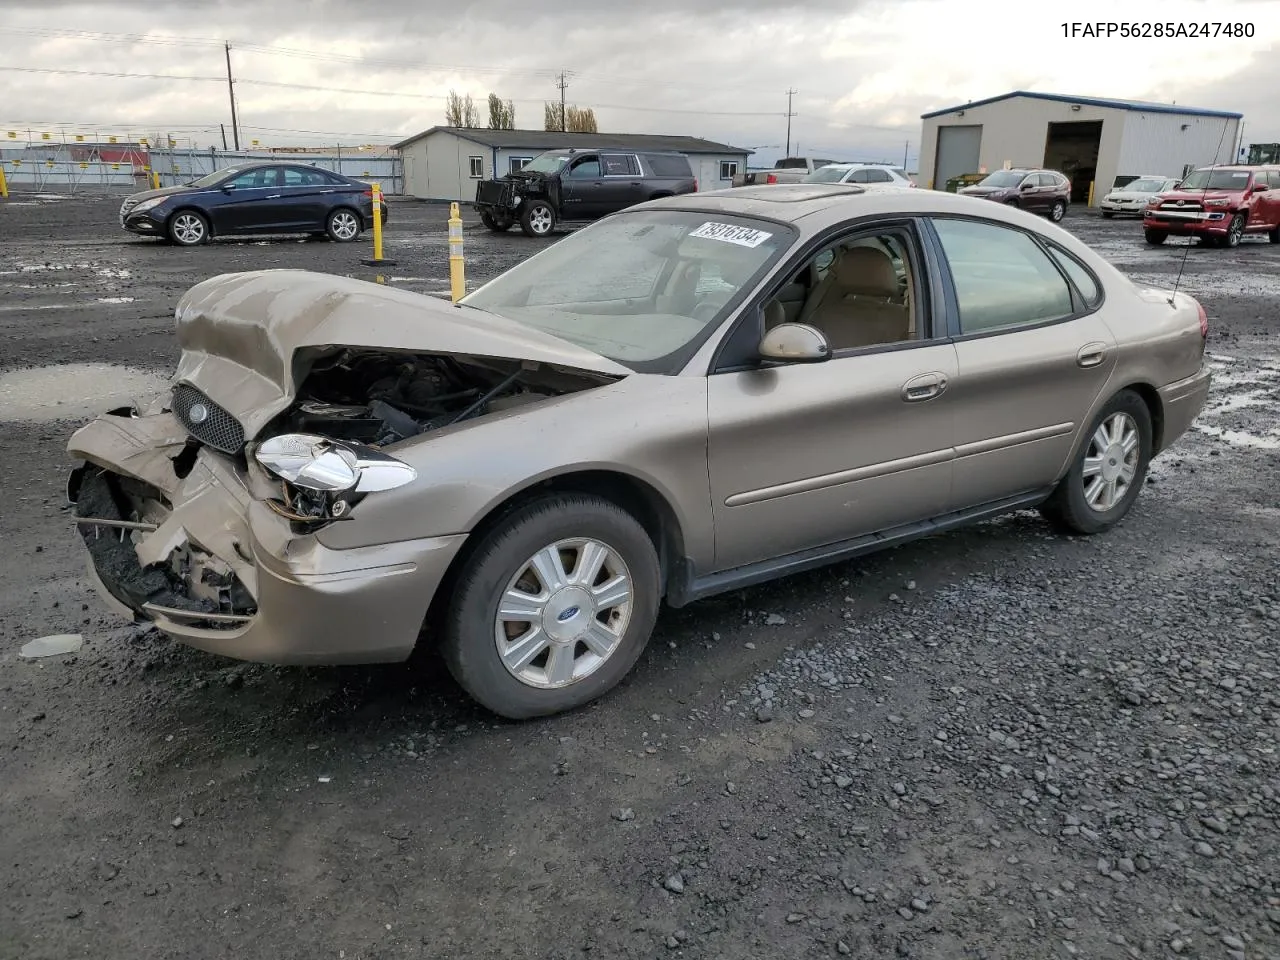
(343, 225)
(538, 219)
(1274, 235)
(1156, 237)
(1058, 210)
(1109, 470)
(187, 228)
(553, 608)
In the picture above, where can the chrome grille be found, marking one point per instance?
(216, 428)
(1190, 206)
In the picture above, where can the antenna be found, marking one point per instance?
(1203, 193)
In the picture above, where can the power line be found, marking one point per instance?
(109, 73)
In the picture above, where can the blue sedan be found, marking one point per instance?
(254, 198)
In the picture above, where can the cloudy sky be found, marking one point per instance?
(311, 71)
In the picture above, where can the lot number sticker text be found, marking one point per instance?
(727, 232)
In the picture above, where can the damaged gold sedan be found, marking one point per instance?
(698, 394)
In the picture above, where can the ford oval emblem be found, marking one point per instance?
(199, 413)
(569, 614)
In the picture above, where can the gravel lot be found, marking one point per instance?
(993, 743)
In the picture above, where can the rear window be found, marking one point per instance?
(667, 165)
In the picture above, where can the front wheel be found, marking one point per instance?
(1156, 237)
(188, 228)
(1235, 230)
(343, 225)
(538, 219)
(1057, 211)
(1108, 214)
(553, 608)
(1108, 471)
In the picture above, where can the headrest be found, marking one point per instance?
(865, 270)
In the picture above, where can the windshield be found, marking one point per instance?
(215, 178)
(827, 175)
(1144, 186)
(644, 288)
(1002, 178)
(1216, 180)
(546, 163)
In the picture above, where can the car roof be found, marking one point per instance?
(793, 202)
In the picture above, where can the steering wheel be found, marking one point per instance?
(706, 310)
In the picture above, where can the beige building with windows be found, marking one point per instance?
(444, 163)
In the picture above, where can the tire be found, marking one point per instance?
(537, 219)
(1108, 214)
(1235, 231)
(1058, 211)
(496, 224)
(188, 228)
(1274, 235)
(503, 561)
(1012, 203)
(343, 225)
(1155, 237)
(1069, 507)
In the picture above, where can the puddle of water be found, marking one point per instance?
(114, 272)
(73, 390)
(1239, 438)
(115, 299)
(41, 267)
(23, 307)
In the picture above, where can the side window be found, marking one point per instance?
(859, 176)
(1081, 277)
(590, 167)
(265, 177)
(297, 177)
(619, 165)
(858, 292)
(728, 169)
(477, 167)
(516, 164)
(1002, 278)
(879, 176)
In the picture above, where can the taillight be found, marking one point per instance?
(1204, 321)
(771, 179)
(695, 184)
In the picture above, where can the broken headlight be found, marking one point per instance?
(322, 476)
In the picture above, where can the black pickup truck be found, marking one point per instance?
(577, 184)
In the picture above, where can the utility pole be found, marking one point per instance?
(231, 92)
(905, 148)
(223, 128)
(562, 83)
(790, 94)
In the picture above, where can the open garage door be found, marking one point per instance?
(1072, 148)
(958, 149)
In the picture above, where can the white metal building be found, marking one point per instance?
(444, 163)
(1091, 140)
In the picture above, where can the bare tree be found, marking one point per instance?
(454, 110)
(551, 116)
(470, 115)
(502, 113)
(581, 120)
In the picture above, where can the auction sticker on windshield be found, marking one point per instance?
(729, 233)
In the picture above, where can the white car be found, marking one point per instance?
(866, 175)
(1134, 196)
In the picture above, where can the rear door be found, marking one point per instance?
(620, 185)
(1032, 352)
(299, 202)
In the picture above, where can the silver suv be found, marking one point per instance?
(866, 175)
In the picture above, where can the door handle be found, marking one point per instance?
(274, 196)
(635, 183)
(1091, 354)
(924, 387)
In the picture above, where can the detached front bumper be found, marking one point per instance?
(175, 536)
(1191, 222)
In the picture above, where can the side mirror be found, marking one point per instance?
(1027, 186)
(228, 187)
(794, 343)
(1261, 187)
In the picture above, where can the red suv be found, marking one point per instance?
(1218, 204)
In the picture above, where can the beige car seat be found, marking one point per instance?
(857, 304)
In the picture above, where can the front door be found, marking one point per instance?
(806, 455)
(247, 203)
(1032, 358)
(580, 187)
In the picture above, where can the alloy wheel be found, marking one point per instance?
(1235, 231)
(1059, 211)
(540, 220)
(188, 228)
(344, 225)
(563, 613)
(1111, 462)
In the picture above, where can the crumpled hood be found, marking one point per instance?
(240, 332)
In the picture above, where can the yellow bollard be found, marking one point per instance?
(457, 273)
(4, 185)
(155, 180)
(378, 260)
(1089, 202)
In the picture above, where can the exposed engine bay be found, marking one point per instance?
(382, 398)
